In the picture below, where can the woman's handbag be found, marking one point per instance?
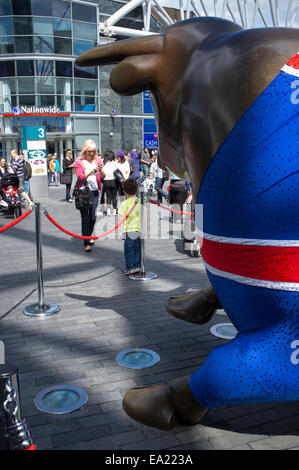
(83, 196)
(119, 176)
(66, 178)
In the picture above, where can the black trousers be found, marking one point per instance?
(177, 195)
(110, 190)
(88, 218)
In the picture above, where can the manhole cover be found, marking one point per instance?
(60, 399)
(137, 358)
(224, 330)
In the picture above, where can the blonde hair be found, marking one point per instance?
(89, 144)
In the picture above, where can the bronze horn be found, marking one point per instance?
(115, 52)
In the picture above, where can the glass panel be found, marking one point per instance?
(7, 68)
(63, 46)
(22, 25)
(87, 125)
(43, 26)
(6, 45)
(84, 30)
(23, 44)
(5, 7)
(61, 124)
(28, 121)
(63, 68)
(21, 8)
(84, 13)
(10, 102)
(45, 85)
(82, 46)
(8, 86)
(81, 72)
(27, 100)
(46, 100)
(49, 122)
(25, 68)
(26, 86)
(85, 87)
(64, 86)
(43, 44)
(85, 103)
(6, 27)
(62, 28)
(44, 68)
(61, 8)
(40, 8)
(15, 124)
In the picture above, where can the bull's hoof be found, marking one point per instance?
(163, 406)
(197, 307)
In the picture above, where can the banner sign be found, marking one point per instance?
(34, 148)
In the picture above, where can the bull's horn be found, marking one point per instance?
(113, 53)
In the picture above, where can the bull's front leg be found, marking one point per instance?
(196, 307)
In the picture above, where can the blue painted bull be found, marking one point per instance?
(227, 106)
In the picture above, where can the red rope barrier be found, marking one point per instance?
(95, 237)
(170, 210)
(16, 221)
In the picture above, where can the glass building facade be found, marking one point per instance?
(41, 86)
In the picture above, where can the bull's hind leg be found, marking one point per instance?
(256, 366)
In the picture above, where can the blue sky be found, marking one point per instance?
(265, 7)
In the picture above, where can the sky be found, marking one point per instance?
(265, 7)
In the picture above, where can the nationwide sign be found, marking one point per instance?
(36, 110)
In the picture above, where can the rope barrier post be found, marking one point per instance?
(40, 309)
(143, 275)
(14, 433)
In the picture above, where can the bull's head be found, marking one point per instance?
(158, 63)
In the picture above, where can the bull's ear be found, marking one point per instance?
(137, 61)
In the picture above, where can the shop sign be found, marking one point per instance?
(36, 110)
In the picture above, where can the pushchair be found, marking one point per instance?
(10, 200)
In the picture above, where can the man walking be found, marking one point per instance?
(17, 166)
(27, 174)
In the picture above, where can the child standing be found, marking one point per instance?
(131, 227)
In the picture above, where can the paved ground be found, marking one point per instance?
(102, 313)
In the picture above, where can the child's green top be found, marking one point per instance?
(133, 222)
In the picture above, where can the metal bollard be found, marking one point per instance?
(40, 309)
(143, 275)
(14, 433)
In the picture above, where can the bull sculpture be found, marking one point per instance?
(227, 107)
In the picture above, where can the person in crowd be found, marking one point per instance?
(17, 167)
(177, 195)
(161, 177)
(124, 167)
(57, 170)
(149, 185)
(127, 155)
(145, 160)
(68, 165)
(135, 166)
(89, 170)
(51, 169)
(4, 167)
(28, 174)
(131, 228)
(109, 183)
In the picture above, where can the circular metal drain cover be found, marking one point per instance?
(224, 330)
(137, 358)
(60, 399)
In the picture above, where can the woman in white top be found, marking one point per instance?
(89, 171)
(124, 166)
(109, 183)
